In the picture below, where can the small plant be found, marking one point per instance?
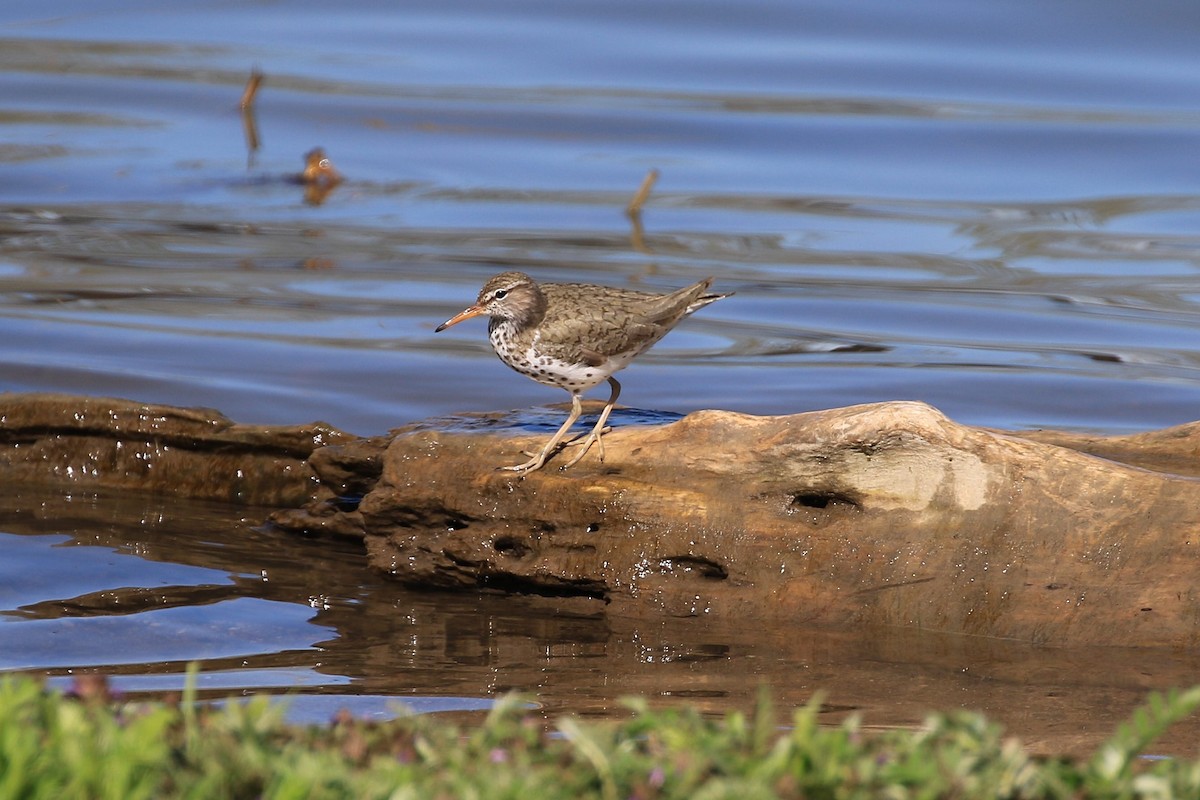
(92, 745)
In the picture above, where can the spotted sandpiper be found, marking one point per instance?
(575, 336)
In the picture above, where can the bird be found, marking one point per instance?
(575, 336)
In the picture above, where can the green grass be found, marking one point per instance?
(52, 746)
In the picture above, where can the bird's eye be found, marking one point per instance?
(500, 294)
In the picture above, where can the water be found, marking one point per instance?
(989, 207)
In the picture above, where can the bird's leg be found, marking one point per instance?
(538, 460)
(597, 432)
(581, 439)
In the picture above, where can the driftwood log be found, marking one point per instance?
(886, 514)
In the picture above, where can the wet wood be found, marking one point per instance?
(879, 515)
(103, 443)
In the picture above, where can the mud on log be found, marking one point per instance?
(881, 514)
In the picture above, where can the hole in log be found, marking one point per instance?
(346, 503)
(694, 564)
(826, 500)
(593, 527)
(545, 587)
(510, 546)
(453, 524)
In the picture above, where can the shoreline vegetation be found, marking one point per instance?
(91, 744)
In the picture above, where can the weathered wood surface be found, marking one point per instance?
(97, 442)
(885, 514)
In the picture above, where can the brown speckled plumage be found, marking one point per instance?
(576, 335)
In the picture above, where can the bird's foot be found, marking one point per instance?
(536, 460)
(529, 466)
(577, 441)
(585, 445)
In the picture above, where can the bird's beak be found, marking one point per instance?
(467, 313)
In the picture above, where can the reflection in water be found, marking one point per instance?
(304, 616)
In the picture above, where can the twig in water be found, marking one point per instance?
(251, 91)
(639, 198)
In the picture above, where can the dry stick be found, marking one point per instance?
(639, 198)
(249, 124)
(256, 79)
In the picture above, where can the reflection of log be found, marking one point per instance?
(571, 652)
(884, 514)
